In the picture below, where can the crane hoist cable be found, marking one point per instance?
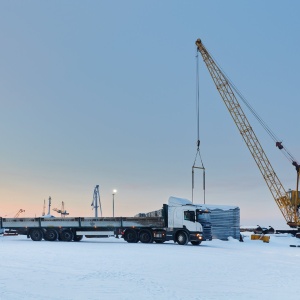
(198, 154)
(278, 142)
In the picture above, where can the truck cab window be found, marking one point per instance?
(189, 216)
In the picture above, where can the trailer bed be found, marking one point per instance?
(82, 222)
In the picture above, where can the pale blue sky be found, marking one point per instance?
(103, 92)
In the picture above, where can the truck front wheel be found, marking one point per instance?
(182, 238)
(36, 235)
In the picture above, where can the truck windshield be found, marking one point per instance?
(203, 216)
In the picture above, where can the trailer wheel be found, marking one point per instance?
(36, 235)
(195, 243)
(66, 235)
(131, 236)
(77, 238)
(182, 238)
(51, 235)
(146, 236)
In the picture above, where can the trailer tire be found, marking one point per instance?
(51, 235)
(36, 235)
(146, 236)
(77, 238)
(66, 235)
(131, 236)
(195, 243)
(182, 238)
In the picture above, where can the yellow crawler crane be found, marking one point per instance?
(288, 203)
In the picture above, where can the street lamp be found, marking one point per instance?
(113, 194)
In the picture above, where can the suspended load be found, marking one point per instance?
(225, 221)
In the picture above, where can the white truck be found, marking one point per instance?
(177, 221)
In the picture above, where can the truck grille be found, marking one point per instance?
(207, 234)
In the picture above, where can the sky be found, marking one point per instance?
(104, 93)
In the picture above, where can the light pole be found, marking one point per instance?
(113, 194)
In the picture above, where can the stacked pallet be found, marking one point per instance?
(156, 213)
(225, 221)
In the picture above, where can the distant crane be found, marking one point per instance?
(96, 200)
(19, 212)
(61, 211)
(49, 206)
(12, 231)
(44, 208)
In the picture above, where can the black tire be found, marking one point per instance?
(131, 236)
(182, 238)
(146, 236)
(77, 238)
(36, 235)
(66, 235)
(195, 243)
(51, 235)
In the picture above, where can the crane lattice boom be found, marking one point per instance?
(288, 205)
(19, 212)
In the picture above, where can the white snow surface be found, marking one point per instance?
(113, 269)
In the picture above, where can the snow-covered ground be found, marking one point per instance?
(113, 269)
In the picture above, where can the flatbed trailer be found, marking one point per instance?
(68, 229)
(177, 222)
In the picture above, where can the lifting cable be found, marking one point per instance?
(277, 141)
(198, 134)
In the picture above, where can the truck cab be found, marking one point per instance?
(191, 222)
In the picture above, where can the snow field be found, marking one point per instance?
(113, 269)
